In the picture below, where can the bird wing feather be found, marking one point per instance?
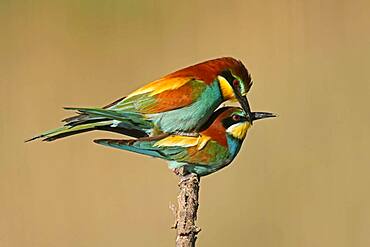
(183, 141)
(161, 96)
(160, 86)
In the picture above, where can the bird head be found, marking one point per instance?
(235, 82)
(230, 121)
(233, 78)
(237, 123)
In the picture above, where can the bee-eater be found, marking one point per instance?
(216, 145)
(180, 102)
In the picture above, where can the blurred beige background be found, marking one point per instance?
(302, 179)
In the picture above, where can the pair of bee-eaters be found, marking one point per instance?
(176, 117)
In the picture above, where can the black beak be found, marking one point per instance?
(261, 115)
(245, 104)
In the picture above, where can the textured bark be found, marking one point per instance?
(186, 213)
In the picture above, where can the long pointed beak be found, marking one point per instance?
(261, 115)
(245, 104)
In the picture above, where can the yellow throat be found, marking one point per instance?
(239, 131)
(226, 89)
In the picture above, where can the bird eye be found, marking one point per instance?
(236, 118)
(236, 83)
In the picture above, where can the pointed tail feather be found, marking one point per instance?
(64, 131)
(131, 124)
(132, 146)
(134, 119)
(45, 134)
(145, 146)
(83, 116)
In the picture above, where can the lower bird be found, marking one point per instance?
(216, 145)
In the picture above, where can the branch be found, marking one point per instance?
(186, 214)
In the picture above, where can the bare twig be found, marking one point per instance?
(186, 214)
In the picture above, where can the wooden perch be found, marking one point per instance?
(186, 213)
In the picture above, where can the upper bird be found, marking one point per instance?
(180, 102)
(215, 146)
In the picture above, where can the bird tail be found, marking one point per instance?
(131, 124)
(146, 146)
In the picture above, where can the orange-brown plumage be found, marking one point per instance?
(171, 99)
(207, 71)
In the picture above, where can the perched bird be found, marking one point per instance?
(180, 102)
(216, 145)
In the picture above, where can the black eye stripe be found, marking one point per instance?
(227, 122)
(228, 76)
